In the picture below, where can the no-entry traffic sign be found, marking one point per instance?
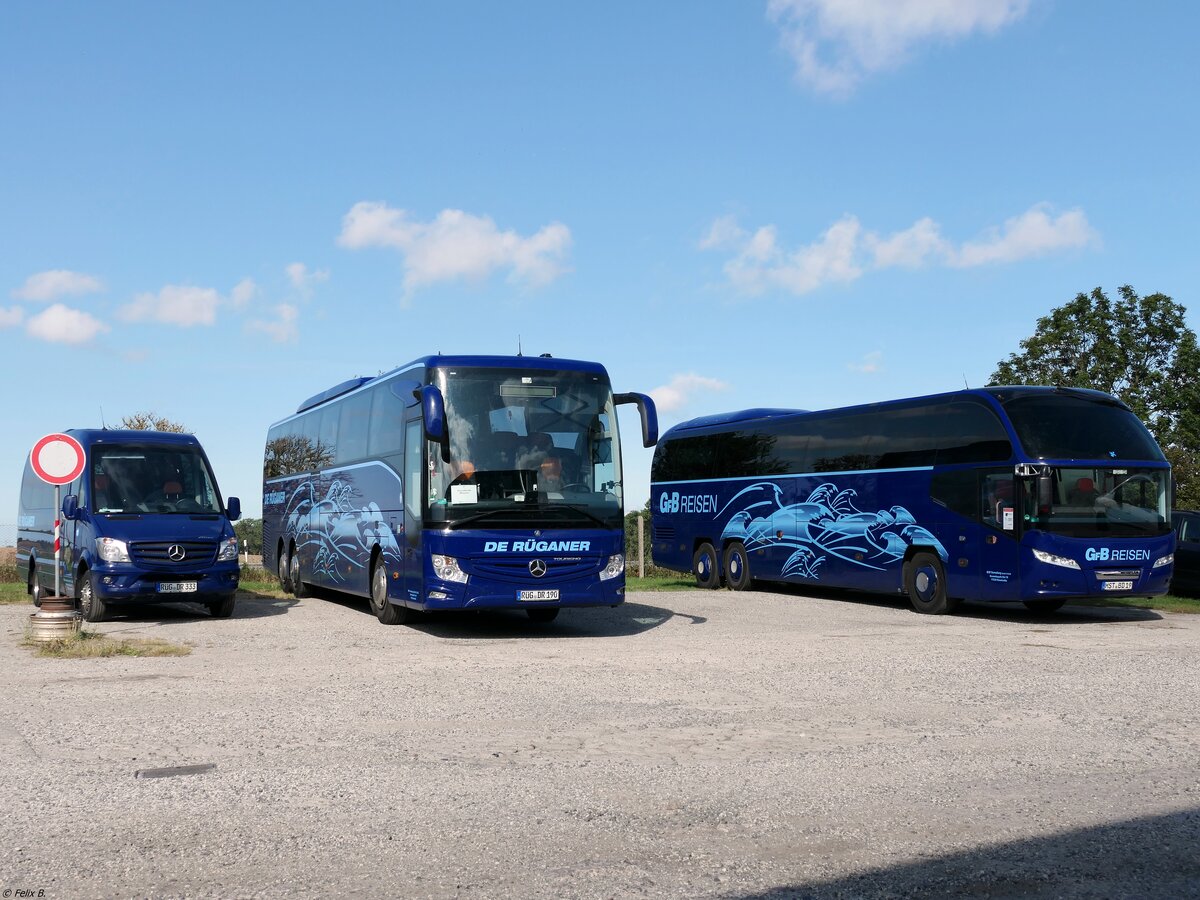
(57, 459)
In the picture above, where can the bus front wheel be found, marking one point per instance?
(387, 612)
(92, 606)
(704, 567)
(925, 581)
(737, 567)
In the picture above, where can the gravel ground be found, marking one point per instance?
(694, 744)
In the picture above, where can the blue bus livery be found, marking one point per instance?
(454, 483)
(144, 522)
(1038, 495)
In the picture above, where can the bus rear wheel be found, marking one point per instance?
(704, 567)
(387, 612)
(925, 581)
(737, 567)
(294, 573)
(285, 577)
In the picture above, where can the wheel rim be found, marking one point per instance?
(379, 588)
(85, 596)
(283, 570)
(926, 583)
(735, 566)
(704, 566)
(294, 570)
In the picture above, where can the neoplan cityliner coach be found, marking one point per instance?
(1037, 495)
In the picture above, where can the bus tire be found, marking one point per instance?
(387, 612)
(737, 567)
(285, 575)
(1042, 607)
(704, 567)
(299, 589)
(925, 581)
(542, 615)
(91, 605)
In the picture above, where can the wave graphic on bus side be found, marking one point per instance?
(827, 523)
(345, 533)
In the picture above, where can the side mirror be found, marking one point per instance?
(70, 507)
(649, 415)
(233, 509)
(433, 410)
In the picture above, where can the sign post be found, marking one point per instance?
(57, 459)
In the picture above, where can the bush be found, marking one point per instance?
(8, 573)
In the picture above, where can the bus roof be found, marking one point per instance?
(545, 361)
(1000, 395)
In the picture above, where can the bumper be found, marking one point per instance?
(476, 594)
(1067, 584)
(124, 584)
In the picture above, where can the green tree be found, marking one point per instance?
(249, 535)
(1136, 348)
(152, 421)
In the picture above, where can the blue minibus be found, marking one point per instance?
(1032, 494)
(144, 522)
(454, 483)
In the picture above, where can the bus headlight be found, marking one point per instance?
(614, 567)
(111, 550)
(1163, 561)
(228, 550)
(446, 568)
(1065, 561)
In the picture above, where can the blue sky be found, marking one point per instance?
(214, 211)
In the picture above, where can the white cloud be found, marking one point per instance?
(846, 251)
(723, 232)
(46, 286)
(870, 364)
(243, 292)
(1033, 233)
(302, 279)
(456, 244)
(835, 44)
(11, 316)
(676, 393)
(174, 305)
(281, 329)
(63, 325)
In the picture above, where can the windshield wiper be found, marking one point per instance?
(504, 511)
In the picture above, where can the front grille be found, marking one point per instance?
(517, 570)
(157, 554)
(1118, 574)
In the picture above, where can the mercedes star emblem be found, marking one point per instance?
(537, 568)
(176, 553)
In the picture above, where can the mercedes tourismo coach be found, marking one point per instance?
(1040, 495)
(454, 482)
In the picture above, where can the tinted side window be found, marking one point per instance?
(387, 420)
(353, 423)
(956, 491)
(969, 433)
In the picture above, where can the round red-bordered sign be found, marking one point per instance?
(57, 459)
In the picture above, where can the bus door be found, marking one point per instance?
(411, 549)
(999, 545)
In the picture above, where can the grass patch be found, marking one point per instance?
(13, 592)
(660, 583)
(268, 588)
(94, 645)
(1166, 603)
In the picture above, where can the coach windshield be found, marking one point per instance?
(526, 445)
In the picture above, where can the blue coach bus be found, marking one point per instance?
(1038, 495)
(454, 483)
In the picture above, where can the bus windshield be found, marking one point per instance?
(526, 446)
(151, 479)
(1101, 502)
(1069, 426)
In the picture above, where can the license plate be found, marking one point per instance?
(1118, 586)
(536, 596)
(177, 587)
